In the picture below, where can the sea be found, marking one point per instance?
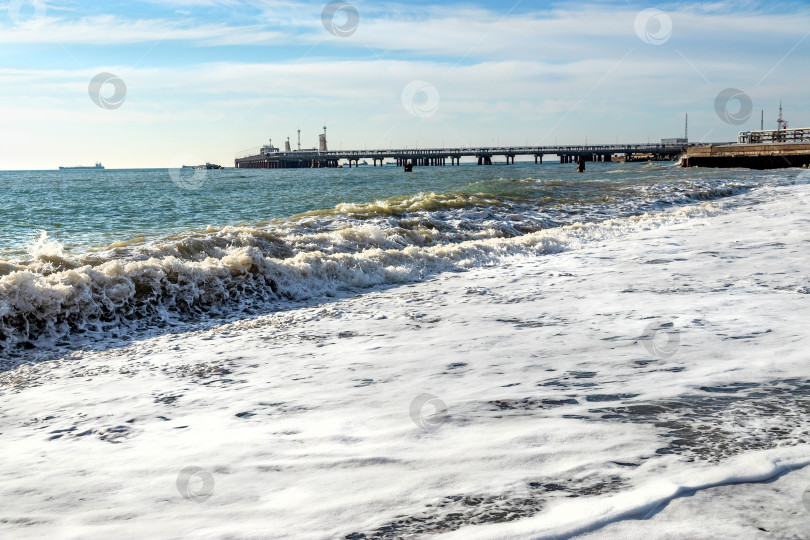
(472, 352)
(95, 255)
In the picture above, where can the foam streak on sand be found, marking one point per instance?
(559, 420)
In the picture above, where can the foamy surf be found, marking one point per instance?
(523, 400)
(53, 294)
(239, 268)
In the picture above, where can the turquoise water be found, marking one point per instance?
(95, 208)
(102, 254)
(83, 209)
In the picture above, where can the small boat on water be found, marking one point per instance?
(97, 166)
(209, 166)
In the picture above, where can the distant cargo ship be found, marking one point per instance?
(94, 167)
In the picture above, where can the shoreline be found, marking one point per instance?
(304, 418)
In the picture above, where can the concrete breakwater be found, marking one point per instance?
(750, 156)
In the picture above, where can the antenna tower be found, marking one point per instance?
(686, 127)
(781, 123)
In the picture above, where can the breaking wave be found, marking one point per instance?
(51, 295)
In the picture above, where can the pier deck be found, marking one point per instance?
(440, 156)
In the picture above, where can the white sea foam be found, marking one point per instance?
(555, 419)
(53, 296)
(44, 248)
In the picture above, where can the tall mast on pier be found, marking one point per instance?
(781, 123)
(299, 139)
(686, 127)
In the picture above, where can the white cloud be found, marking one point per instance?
(576, 72)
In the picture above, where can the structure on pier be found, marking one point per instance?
(764, 149)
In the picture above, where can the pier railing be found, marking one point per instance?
(774, 136)
(249, 152)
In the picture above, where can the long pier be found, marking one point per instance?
(265, 158)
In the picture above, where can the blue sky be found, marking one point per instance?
(212, 78)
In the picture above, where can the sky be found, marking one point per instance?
(155, 83)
